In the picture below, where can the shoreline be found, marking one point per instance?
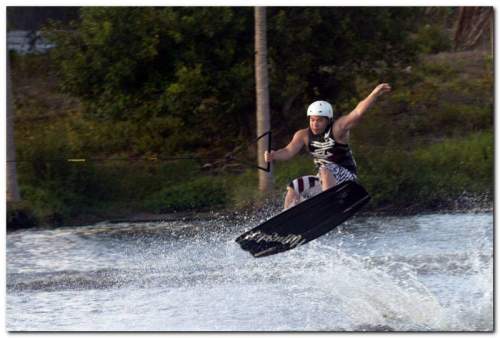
(209, 215)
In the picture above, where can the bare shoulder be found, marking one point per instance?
(302, 134)
(299, 138)
(340, 132)
(339, 124)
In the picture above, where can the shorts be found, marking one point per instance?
(309, 185)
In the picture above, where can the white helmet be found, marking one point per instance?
(320, 108)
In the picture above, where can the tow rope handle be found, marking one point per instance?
(268, 134)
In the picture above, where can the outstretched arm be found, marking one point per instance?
(289, 151)
(345, 123)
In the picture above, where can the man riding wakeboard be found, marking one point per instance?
(327, 140)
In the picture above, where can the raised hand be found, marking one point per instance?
(381, 89)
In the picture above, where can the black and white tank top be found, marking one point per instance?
(325, 150)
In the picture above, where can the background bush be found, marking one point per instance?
(202, 193)
(180, 82)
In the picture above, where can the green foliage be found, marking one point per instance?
(59, 190)
(317, 52)
(141, 82)
(195, 194)
(242, 189)
(164, 71)
(433, 39)
(445, 96)
(284, 172)
(160, 71)
(430, 175)
(71, 189)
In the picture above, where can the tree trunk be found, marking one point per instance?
(12, 189)
(262, 92)
(472, 27)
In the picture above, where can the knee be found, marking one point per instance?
(325, 174)
(292, 198)
(327, 178)
(291, 192)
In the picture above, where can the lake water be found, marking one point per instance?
(430, 272)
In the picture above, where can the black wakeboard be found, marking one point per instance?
(305, 221)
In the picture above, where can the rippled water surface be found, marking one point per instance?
(430, 272)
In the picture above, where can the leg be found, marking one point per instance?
(291, 198)
(332, 174)
(301, 189)
(327, 178)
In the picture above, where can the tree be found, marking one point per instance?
(12, 187)
(262, 94)
(473, 24)
(318, 52)
(173, 77)
(177, 80)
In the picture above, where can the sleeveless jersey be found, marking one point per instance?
(325, 150)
